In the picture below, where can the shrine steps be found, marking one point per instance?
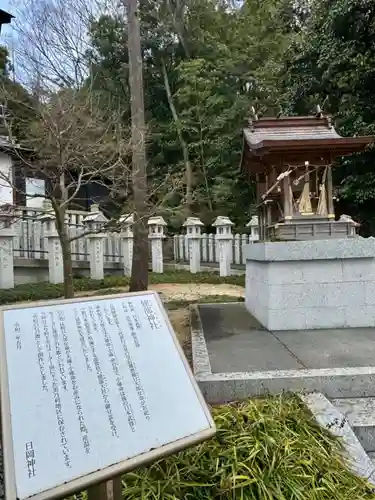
(352, 421)
(371, 455)
(360, 414)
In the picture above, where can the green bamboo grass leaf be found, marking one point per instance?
(265, 449)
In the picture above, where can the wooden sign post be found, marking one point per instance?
(111, 490)
(92, 388)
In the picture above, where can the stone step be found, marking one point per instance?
(360, 413)
(371, 455)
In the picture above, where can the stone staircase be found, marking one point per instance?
(360, 413)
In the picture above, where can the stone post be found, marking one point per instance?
(224, 238)
(353, 225)
(7, 235)
(193, 233)
(127, 242)
(254, 229)
(94, 222)
(55, 257)
(156, 235)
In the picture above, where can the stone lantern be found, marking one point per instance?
(7, 234)
(48, 220)
(224, 238)
(55, 257)
(156, 235)
(94, 222)
(254, 228)
(353, 226)
(126, 221)
(194, 233)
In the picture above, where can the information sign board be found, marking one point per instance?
(91, 388)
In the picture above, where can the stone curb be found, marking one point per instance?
(226, 387)
(201, 360)
(330, 418)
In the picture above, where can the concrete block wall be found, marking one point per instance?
(305, 288)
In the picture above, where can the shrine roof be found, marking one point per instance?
(301, 135)
(289, 129)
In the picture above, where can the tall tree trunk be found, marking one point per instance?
(139, 276)
(68, 266)
(66, 253)
(184, 147)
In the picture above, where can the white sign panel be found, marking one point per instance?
(88, 384)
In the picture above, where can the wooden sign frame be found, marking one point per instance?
(113, 471)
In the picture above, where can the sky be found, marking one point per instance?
(5, 4)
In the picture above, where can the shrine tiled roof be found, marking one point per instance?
(286, 137)
(255, 136)
(289, 129)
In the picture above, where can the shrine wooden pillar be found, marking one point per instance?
(262, 224)
(268, 213)
(330, 206)
(286, 194)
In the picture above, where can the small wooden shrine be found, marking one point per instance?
(291, 159)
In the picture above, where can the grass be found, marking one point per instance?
(265, 449)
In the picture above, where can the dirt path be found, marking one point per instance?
(193, 291)
(182, 291)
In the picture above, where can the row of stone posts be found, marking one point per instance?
(224, 237)
(93, 223)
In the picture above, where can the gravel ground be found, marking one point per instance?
(187, 291)
(183, 291)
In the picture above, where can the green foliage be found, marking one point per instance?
(221, 57)
(219, 61)
(18, 101)
(47, 291)
(4, 62)
(264, 449)
(334, 63)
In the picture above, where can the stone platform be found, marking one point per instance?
(236, 357)
(305, 285)
(236, 342)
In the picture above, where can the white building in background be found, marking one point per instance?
(5, 18)
(6, 177)
(17, 189)
(35, 192)
(27, 187)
